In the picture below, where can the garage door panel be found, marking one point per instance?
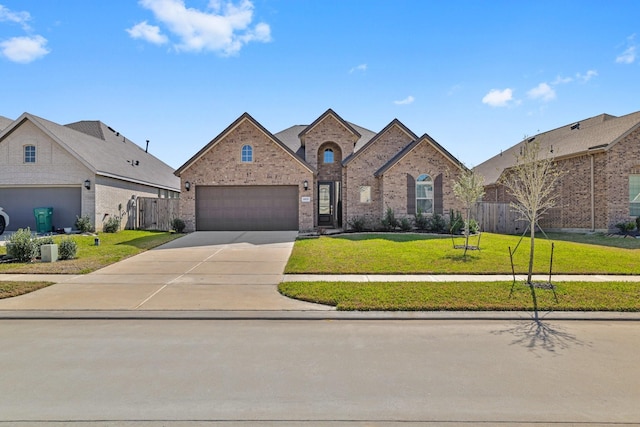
(20, 202)
(247, 208)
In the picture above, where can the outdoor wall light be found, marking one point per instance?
(187, 185)
(87, 184)
(305, 184)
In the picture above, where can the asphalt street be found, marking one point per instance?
(318, 372)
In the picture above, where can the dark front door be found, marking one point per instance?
(325, 204)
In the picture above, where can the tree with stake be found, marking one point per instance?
(532, 183)
(469, 188)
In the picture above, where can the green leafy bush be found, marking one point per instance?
(83, 224)
(420, 221)
(178, 225)
(456, 222)
(436, 224)
(626, 227)
(112, 225)
(405, 224)
(21, 246)
(48, 240)
(474, 227)
(67, 248)
(357, 223)
(389, 221)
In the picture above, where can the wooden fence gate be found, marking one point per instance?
(499, 218)
(157, 214)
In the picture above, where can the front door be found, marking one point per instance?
(325, 204)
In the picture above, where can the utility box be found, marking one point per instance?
(49, 253)
(43, 219)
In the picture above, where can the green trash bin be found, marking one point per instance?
(43, 219)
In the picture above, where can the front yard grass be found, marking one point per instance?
(396, 253)
(13, 289)
(456, 296)
(113, 248)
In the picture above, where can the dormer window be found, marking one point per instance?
(328, 155)
(29, 153)
(247, 154)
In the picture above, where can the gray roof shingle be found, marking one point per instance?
(600, 131)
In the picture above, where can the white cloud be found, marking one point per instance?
(543, 91)
(147, 32)
(361, 67)
(224, 27)
(498, 98)
(586, 77)
(630, 53)
(24, 49)
(561, 80)
(408, 100)
(21, 18)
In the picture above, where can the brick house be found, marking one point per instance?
(310, 176)
(83, 168)
(601, 184)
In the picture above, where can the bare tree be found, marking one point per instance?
(532, 183)
(468, 188)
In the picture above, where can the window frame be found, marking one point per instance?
(425, 180)
(634, 195)
(246, 154)
(29, 157)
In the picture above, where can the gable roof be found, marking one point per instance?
(326, 114)
(424, 139)
(376, 137)
(244, 117)
(595, 133)
(4, 122)
(111, 156)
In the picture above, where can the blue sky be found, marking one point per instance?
(475, 75)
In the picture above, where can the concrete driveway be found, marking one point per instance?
(200, 271)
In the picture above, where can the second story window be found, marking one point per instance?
(29, 153)
(328, 155)
(247, 154)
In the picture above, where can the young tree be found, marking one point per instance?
(468, 189)
(532, 183)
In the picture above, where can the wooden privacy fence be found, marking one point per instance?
(498, 218)
(157, 214)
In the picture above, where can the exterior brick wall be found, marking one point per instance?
(424, 158)
(330, 171)
(109, 193)
(623, 160)
(221, 165)
(328, 130)
(360, 172)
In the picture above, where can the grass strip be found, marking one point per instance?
(463, 296)
(13, 289)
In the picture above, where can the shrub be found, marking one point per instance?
(67, 248)
(83, 224)
(357, 223)
(405, 224)
(112, 225)
(389, 221)
(178, 225)
(474, 227)
(23, 247)
(626, 227)
(456, 222)
(436, 224)
(638, 223)
(420, 221)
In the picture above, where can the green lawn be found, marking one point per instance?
(481, 296)
(419, 253)
(113, 247)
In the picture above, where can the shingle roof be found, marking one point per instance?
(4, 122)
(104, 152)
(600, 132)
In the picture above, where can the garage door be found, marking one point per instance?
(20, 202)
(246, 208)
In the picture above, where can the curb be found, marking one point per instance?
(313, 315)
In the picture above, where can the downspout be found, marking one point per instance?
(593, 203)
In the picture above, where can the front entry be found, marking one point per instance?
(329, 202)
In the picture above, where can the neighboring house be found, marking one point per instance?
(320, 175)
(80, 169)
(600, 157)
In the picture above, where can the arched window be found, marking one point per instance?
(247, 154)
(328, 155)
(424, 194)
(29, 153)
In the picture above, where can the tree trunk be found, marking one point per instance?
(466, 233)
(531, 252)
